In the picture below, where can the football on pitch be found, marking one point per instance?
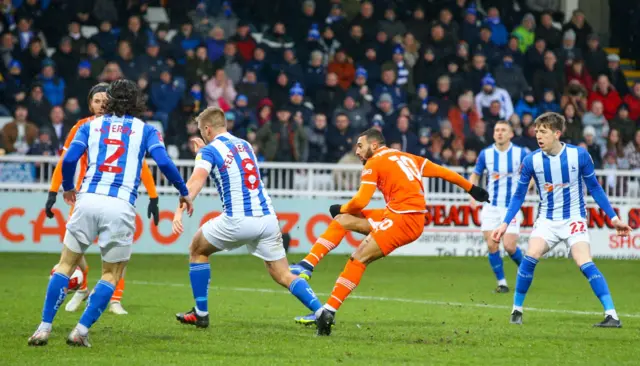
(75, 280)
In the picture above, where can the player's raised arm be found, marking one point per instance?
(156, 148)
(526, 172)
(432, 170)
(588, 173)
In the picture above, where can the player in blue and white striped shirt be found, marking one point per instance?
(502, 162)
(115, 144)
(247, 219)
(559, 170)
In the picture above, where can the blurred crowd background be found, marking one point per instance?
(299, 79)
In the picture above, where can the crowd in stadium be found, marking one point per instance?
(434, 76)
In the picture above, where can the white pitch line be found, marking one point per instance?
(392, 299)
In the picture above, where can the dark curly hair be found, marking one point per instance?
(123, 98)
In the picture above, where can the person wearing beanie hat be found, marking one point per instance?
(490, 93)
(569, 50)
(616, 75)
(297, 105)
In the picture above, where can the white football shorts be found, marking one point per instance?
(554, 232)
(260, 234)
(492, 216)
(110, 219)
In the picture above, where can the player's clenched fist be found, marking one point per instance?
(499, 232)
(479, 194)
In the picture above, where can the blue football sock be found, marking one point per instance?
(598, 284)
(56, 292)
(516, 256)
(200, 275)
(524, 279)
(495, 260)
(97, 303)
(301, 289)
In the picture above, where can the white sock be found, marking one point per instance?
(330, 308)
(613, 313)
(201, 313)
(44, 327)
(82, 330)
(502, 282)
(518, 308)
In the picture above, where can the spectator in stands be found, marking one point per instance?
(137, 37)
(57, 126)
(477, 72)
(78, 42)
(577, 71)
(549, 103)
(616, 147)
(633, 101)
(329, 44)
(329, 96)
(356, 113)
(477, 141)
(372, 66)
(186, 40)
(390, 23)
(259, 64)
(53, 86)
(525, 32)
(292, 67)
(220, 91)
(513, 47)
(111, 72)
(317, 137)
(125, 59)
(43, 146)
(152, 62)
(632, 151)
(447, 135)
(166, 48)
(510, 77)
(337, 20)
(551, 77)
(230, 62)
(534, 59)
(215, 43)
(580, 26)
(548, 32)
(303, 22)
(244, 116)
(282, 139)
(449, 25)
(575, 94)
(244, 41)
(65, 59)
(361, 86)
(486, 46)
(383, 46)
(19, 134)
(444, 95)
(97, 63)
(227, 20)
(411, 48)
(279, 92)
(253, 89)
(106, 40)
(463, 116)
(573, 125)
(38, 106)
(595, 57)
(165, 96)
(366, 20)
(32, 59)
(8, 49)
(593, 148)
(616, 76)
(491, 116)
(528, 138)
(605, 92)
(275, 42)
(201, 20)
(470, 28)
(340, 138)
(419, 104)
(25, 33)
(499, 32)
(625, 125)
(343, 68)
(388, 86)
(442, 46)
(297, 104)
(72, 112)
(490, 92)
(407, 138)
(265, 109)
(314, 75)
(527, 104)
(186, 148)
(596, 119)
(16, 85)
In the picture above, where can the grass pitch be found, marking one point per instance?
(405, 311)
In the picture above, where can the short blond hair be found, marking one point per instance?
(213, 116)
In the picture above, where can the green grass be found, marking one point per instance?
(399, 316)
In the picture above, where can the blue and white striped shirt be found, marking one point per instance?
(503, 171)
(232, 164)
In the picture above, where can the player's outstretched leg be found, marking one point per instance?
(82, 293)
(581, 254)
(199, 276)
(298, 286)
(55, 295)
(98, 301)
(115, 304)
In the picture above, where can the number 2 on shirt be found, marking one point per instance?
(408, 166)
(106, 167)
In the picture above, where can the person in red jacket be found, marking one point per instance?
(604, 92)
(245, 41)
(633, 101)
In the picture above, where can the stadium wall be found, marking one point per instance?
(453, 229)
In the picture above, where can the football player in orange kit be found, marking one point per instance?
(398, 176)
(97, 98)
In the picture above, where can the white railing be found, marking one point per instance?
(308, 180)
